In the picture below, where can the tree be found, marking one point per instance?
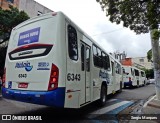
(149, 55)
(141, 16)
(8, 20)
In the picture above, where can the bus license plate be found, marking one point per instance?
(23, 85)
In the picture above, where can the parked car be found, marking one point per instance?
(152, 81)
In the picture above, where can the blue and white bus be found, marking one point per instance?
(51, 61)
(133, 76)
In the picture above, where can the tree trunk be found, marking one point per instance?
(156, 62)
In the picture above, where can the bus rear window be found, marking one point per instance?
(30, 51)
(72, 43)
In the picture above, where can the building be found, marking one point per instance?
(143, 61)
(140, 62)
(31, 7)
(4, 4)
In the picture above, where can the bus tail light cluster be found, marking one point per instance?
(4, 78)
(53, 82)
(129, 78)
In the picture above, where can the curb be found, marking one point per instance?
(154, 103)
(150, 100)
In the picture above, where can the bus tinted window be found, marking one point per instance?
(100, 64)
(132, 72)
(118, 68)
(82, 57)
(136, 72)
(72, 43)
(97, 57)
(106, 61)
(87, 59)
(142, 74)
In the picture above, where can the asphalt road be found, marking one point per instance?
(115, 104)
(134, 94)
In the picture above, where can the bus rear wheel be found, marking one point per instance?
(103, 96)
(138, 84)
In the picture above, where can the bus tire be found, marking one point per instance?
(138, 84)
(144, 82)
(103, 96)
(120, 89)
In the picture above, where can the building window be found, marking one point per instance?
(10, 1)
(72, 43)
(141, 60)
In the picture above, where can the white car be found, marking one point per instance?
(152, 81)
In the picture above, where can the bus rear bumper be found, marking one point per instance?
(53, 98)
(128, 84)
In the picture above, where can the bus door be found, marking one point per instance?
(85, 73)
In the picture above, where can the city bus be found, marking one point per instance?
(133, 76)
(51, 61)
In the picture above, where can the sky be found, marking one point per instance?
(88, 15)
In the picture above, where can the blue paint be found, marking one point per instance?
(10, 84)
(129, 83)
(114, 113)
(117, 110)
(43, 66)
(29, 36)
(28, 67)
(53, 98)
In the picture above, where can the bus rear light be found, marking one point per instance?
(4, 78)
(129, 78)
(53, 82)
(54, 13)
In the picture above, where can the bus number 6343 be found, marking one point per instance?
(73, 77)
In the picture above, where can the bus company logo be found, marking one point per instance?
(25, 65)
(43, 66)
(104, 75)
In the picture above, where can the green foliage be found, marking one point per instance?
(155, 34)
(139, 15)
(149, 55)
(149, 73)
(8, 20)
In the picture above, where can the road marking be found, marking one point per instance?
(109, 113)
(109, 108)
(120, 108)
(149, 101)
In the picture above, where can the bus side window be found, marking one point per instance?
(72, 43)
(87, 59)
(123, 70)
(82, 57)
(118, 68)
(100, 64)
(136, 72)
(104, 60)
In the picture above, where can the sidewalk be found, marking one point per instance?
(150, 112)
